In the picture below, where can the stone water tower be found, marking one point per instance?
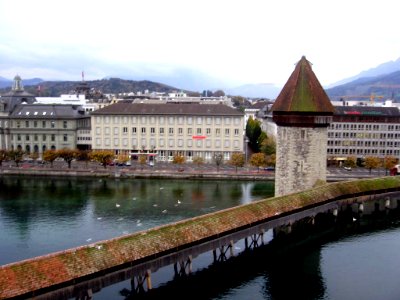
(302, 112)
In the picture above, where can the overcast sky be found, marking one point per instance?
(240, 42)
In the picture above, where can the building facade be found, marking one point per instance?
(164, 130)
(361, 131)
(37, 128)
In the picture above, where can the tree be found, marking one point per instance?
(258, 160)
(178, 159)
(3, 156)
(34, 156)
(142, 160)
(67, 155)
(389, 162)
(351, 162)
(268, 145)
(122, 159)
(271, 160)
(237, 160)
(16, 156)
(219, 93)
(198, 160)
(83, 155)
(104, 157)
(371, 162)
(218, 159)
(50, 156)
(253, 131)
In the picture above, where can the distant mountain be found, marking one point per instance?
(105, 86)
(387, 86)
(261, 90)
(4, 82)
(382, 69)
(7, 83)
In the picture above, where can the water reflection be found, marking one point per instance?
(42, 215)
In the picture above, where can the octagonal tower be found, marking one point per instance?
(302, 112)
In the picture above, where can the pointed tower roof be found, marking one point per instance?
(302, 92)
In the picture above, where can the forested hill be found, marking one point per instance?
(105, 86)
(385, 86)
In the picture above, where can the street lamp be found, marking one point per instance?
(246, 140)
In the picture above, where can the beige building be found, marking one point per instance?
(164, 130)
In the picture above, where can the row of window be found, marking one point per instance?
(363, 152)
(161, 120)
(36, 124)
(37, 137)
(170, 143)
(352, 143)
(162, 130)
(363, 135)
(382, 127)
(164, 155)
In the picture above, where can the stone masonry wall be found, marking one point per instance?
(301, 158)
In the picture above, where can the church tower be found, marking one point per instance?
(302, 112)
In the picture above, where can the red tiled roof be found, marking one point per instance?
(303, 92)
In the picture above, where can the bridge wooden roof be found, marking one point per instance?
(21, 278)
(303, 93)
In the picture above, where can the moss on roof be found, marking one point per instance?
(303, 92)
(22, 277)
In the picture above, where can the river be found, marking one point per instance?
(39, 216)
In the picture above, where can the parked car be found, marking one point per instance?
(269, 168)
(347, 168)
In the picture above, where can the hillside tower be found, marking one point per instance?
(302, 112)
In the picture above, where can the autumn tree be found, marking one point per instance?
(122, 158)
(258, 160)
(389, 162)
(3, 156)
(198, 160)
(237, 160)
(372, 162)
(218, 159)
(83, 155)
(178, 159)
(16, 156)
(34, 156)
(50, 156)
(351, 162)
(268, 145)
(68, 155)
(104, 157)
(271, 160)
(142, 160)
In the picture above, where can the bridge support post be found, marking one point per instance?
(185, 267)
(86, 295)
(138, 286)
(256, 240)
(222, 252)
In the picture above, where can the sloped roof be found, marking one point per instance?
(303, 92)
(43, 111)
(124, 108)
(367, 111)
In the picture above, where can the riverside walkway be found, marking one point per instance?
(76, 272)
